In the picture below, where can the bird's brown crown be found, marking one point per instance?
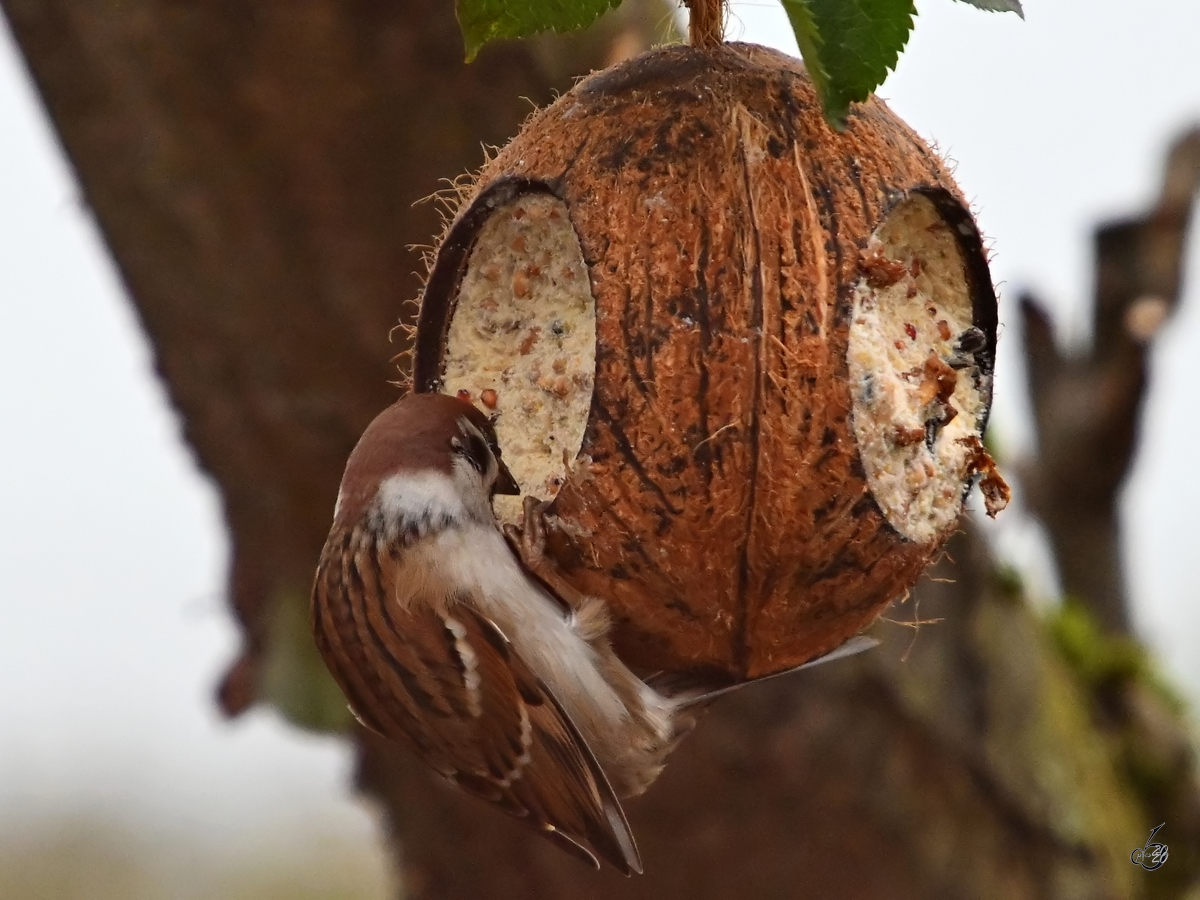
(414, 434)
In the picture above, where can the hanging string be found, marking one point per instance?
(707, 26)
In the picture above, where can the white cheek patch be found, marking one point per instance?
(466, 474)
(419, 497)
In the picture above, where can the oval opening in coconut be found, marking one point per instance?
(521, 341)
(919, 381)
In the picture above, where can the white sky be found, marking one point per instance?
(113, 625)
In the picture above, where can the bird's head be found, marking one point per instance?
(427, 461)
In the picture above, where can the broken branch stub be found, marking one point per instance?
(748, 359)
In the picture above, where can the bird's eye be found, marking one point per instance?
(474, 450)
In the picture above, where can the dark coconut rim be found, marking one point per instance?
(440, 297)
(984, 304)
(984, 312)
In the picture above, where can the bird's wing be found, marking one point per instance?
(440, 677)
(690, 698)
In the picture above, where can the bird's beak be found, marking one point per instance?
(505, 483)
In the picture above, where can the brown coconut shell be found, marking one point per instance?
(720, 505)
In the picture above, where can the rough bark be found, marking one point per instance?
(253, 167)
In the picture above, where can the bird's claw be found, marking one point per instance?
(529, 539)
(528, 542)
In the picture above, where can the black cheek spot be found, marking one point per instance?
(474, 449)
(481, 454)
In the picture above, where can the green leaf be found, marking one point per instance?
(998, 6)
(489, 20)
(849, 46)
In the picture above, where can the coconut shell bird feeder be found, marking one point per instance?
(745, 358)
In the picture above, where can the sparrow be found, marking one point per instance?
(461, 641)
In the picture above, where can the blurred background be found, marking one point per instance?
(115, 606)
